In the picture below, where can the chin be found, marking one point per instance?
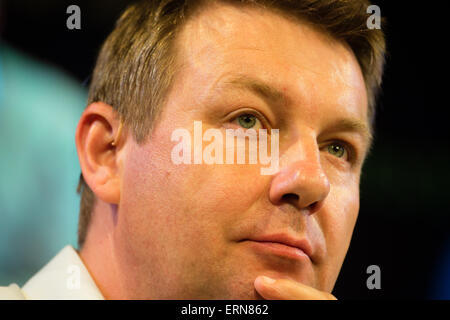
(249, 295)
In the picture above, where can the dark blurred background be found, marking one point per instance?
(403, 226)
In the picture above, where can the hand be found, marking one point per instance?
(285, 289)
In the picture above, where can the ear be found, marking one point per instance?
(99, 144)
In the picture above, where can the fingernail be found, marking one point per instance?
(268, 280)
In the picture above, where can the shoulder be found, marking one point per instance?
(12, 292)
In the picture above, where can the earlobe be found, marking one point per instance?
(99, 140)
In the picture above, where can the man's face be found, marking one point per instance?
(194, 231)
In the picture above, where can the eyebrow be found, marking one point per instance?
(259, 87)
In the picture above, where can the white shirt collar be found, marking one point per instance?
(65, 277)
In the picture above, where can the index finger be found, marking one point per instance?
(285, 289)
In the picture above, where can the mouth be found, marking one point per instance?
(282, 245)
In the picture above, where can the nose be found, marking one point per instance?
(301, 183)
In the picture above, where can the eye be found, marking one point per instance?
(248, 121)
(338, 150)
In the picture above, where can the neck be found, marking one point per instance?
(98, 252)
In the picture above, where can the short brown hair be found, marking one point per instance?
(134, 69)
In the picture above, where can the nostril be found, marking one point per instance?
(290, 197)
(313, 206)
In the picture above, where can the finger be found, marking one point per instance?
(285, 289)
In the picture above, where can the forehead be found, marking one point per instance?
(311, 69)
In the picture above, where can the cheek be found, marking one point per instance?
(142, 198)
(337, 223)
(193, 203)
(344, 207)
(339, 220)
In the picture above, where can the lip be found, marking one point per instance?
(284, 245)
